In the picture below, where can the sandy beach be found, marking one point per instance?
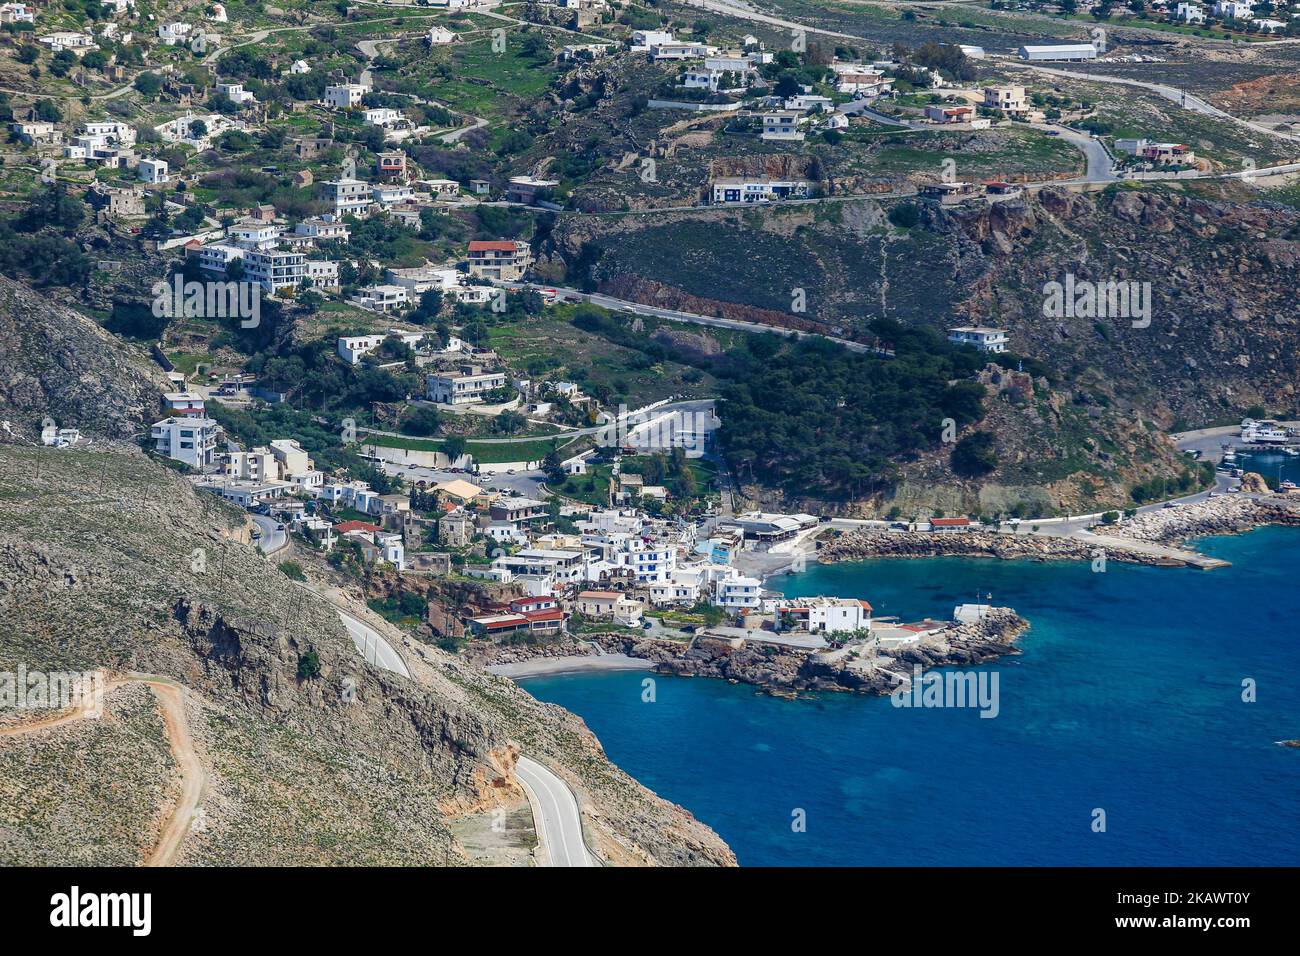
(544, 666)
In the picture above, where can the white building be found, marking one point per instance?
(236, 93)
(296, 466)
(1233, 9)
(1061, 51)
(254, 235)
(676, 50)
(702, 79)
(189, 440)
(153, 171)
(67, 40)
(1189, 13)
(464, 388)
(782, 127)
(16, 13)
(323, 273)
(275, 269)
(351, 197)
(346, 96)
(739, 189)
(737, 593)
(643, 40)
(649, 563)
(984, 339)
(323, 229)
(823, 614)
(258, 464)
(613, 605)
(352, 347)
(391, 194)
(217, 256)
(439, 36)
(384, 116)
(175, 32)
(381, 298)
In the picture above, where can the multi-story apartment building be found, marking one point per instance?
(1008, 99)
(275, 269)
(351, 197)
(782, 127)
(649, 563)
(516, 511)
(505, 260)
(740, 592)
(466, 387)
(257, 464)
(189, 440)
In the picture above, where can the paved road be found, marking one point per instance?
(742, 11)
(1100, 165)
(372, 645)
(1173, 94)
(608, 302)
(271, 540)
(555, 810)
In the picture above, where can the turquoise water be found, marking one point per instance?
(1127, 698)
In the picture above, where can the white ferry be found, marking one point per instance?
(1263, 432)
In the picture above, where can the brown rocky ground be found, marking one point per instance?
(119, 563)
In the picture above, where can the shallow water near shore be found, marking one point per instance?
(1127, 699)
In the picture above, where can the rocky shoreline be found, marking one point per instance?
(790, 672)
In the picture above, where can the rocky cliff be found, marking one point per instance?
(59, 364)
(312, 756)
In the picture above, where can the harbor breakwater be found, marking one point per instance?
(1151, 538)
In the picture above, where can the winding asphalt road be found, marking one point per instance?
(555, 808)
(272, 540)
(626, 305)
(556, 811)
(374, 649)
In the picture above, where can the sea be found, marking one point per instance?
(1139, 725)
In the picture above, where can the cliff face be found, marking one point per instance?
(312, 756)
(59, 364)
(1223, 317)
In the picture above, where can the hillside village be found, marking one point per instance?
(364, 357)
(373, 203)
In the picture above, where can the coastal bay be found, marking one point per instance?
(1127, 697)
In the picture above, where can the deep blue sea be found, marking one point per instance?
(1127, 698)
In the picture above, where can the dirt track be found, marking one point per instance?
(171, 702)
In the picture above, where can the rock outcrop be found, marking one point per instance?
(59, 364)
